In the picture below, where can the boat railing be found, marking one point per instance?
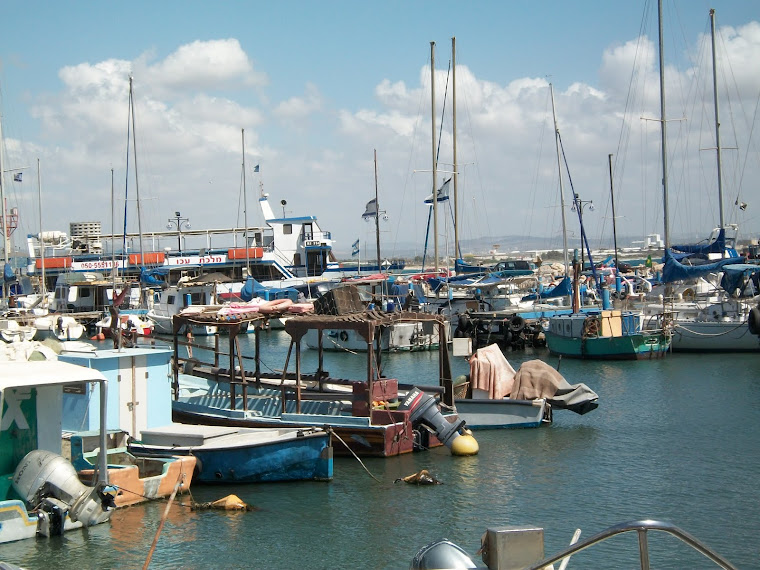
(642, 528)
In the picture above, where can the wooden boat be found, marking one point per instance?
(244, 455)
(136, 479)
(367, 417)
(39, 490)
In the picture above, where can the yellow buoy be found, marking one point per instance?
(465, 445)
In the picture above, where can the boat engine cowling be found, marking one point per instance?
(47, 481)
(441, 554)
(424, 410)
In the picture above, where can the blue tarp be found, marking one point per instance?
(734, 274)
(718, 245)
(562, 289)
(674, 270)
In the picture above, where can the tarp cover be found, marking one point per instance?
(490, 371)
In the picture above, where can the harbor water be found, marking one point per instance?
(674, 439)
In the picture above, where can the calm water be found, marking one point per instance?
(674, 439)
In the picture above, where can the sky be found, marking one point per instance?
(319, 87)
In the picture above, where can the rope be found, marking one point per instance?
(332, 432)
(687, 329)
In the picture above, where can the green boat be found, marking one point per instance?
(605, 335)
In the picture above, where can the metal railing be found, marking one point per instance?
(641, 527)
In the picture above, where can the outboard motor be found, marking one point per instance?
(424, 410)
(441, 554)
(48, 482)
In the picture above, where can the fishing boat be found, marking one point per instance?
(234, 455)
(372, 417)
(609, 334)
(40, 494)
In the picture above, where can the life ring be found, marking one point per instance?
(622, 296)
(753, 320)
(516, 324)
(614, 295)
(343, 336)
(275, 306)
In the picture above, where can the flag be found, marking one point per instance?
(256, 168)
(648, 262)
(355, 249)
(443, 193)
(370, 210)
(17, 177)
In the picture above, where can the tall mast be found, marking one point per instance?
(245, 209)
(377, 219)
(2, 210)
(663, 131)
(561, 191)
(435, 160)
(137, 184)
(114, 270)
(42, 244)
(717, 119)
(614, 227)
(457, 253)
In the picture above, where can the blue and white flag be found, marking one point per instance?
(370, 210)
(17, 177)
(443, 193)
(355, 249)
(256, 168)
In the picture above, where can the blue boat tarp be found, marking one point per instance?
(718, 245)
(735, 273)
(562, 289)
(674, 270)
(253, 288)
(153, 276)
(8, 273)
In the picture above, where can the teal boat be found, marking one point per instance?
(605, 335)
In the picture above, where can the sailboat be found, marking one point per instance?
(718, 320)
(606, 334)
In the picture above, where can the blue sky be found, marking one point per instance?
(318, 86)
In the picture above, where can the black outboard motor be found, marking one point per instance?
(424, 410)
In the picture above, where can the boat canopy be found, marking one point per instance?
(674, 270)
(717, 245)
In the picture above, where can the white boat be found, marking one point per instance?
(182, 298)
(11, 330)
(62, 327)
(45, 497)
(129, 321)
(495, 395)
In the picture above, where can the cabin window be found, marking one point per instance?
(85, 292)
(170, 300)
(287, 229)
(296, 259)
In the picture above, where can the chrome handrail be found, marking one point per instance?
(641, 527)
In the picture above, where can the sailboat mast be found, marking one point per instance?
(435, 161)
(42, 244)
(2, 208)
(561, 191)
(245, 209)
(137, 184)
(663, 131)
(717, 119)
(377, 218)
(457, 253)
(614, 226)
(114, 269)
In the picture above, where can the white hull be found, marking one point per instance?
(504, 413)
(715, 336)
(399, 337)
